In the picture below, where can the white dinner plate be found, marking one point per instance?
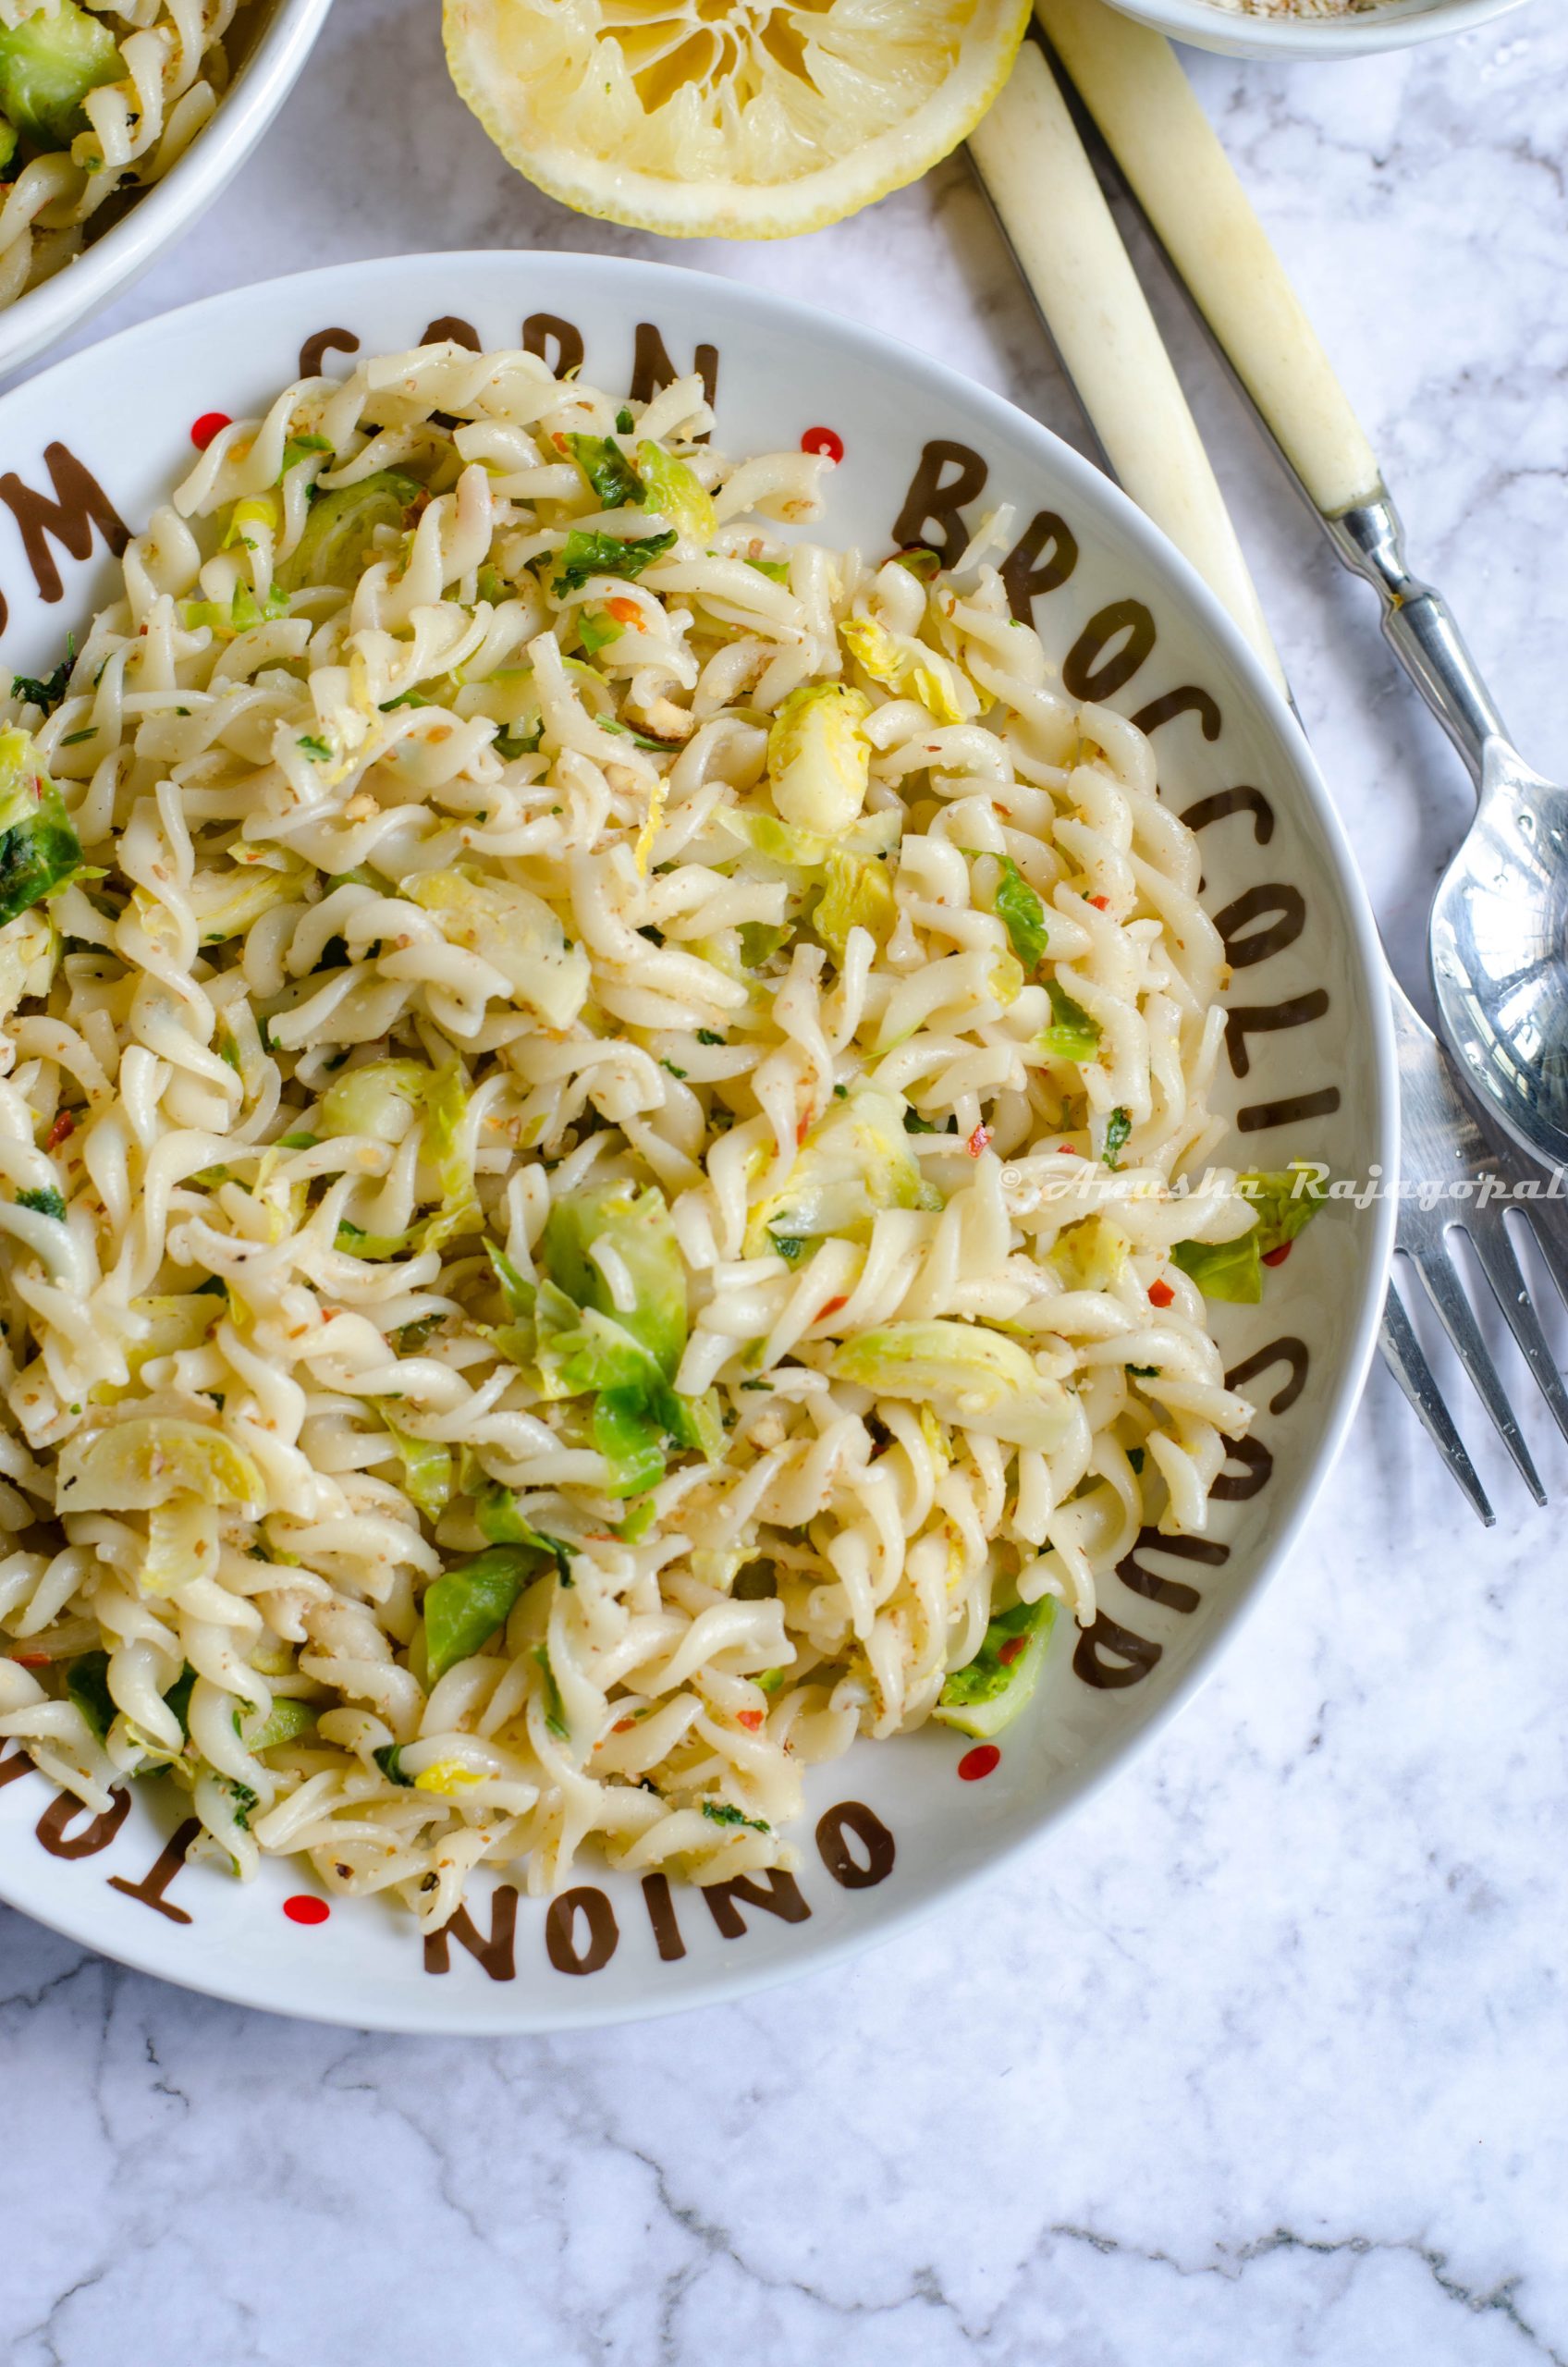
(890, 1829)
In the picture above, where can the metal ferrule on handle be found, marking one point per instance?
(1419, 627)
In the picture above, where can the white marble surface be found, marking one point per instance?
(1263, 2058)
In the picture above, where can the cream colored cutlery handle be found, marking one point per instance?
(1033, 164)
(1133, 85)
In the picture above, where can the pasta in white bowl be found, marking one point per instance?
(608, 1169)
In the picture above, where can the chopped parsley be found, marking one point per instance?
(47, 1203)
(721, 1812)
(389, 1758)
(1135, 1455)
(75, 739)
(624, 422)
(709, 1036)
(1116, 1134)
(48, 692)
(587, 555)
(318, 750)
(679, 1075)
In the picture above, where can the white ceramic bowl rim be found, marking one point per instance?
(636, 286)
(1397, 24)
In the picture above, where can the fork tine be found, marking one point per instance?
(1494, 1255)
(1406, 1359)
(1444, 1290)
(1547, 1232)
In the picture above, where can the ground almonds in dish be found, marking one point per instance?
(589, 1091)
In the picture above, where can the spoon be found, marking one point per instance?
(1498, 935)
(1499, 931)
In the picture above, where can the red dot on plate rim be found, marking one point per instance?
(979, 1762)
(822, 439)
(303, 1908)
(211, 423)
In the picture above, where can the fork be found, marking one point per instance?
(1027, 147)
(1443, 1144)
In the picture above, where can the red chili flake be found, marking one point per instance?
(1011, 1649)
(623, 1725)
(822, 439)
(831, 1308)
(211, 423)
(751, 1718)
(1072, 1150)
(1278, 1257)
(303, 1908)
(803, 1128)
(977, 1141)
(979, 1762)
(1160, 1294)
(60, 1132)
(1099, 902)
(31, 1659)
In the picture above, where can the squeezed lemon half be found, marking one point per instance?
(729, 118)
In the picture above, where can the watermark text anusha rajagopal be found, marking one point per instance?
(1033, 1182)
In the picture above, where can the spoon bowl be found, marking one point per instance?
(1500, 955)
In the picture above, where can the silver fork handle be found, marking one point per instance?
(1417, 622)
(1195, 206)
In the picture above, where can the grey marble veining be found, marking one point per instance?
(1262, 2059)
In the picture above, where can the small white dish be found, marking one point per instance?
(1395, 24)
(890, 1829)
(271, 55)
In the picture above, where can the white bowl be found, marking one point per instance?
(1309, 979)
(1397, 24)
(271, 57)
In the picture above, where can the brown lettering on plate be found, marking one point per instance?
(1287, 1350)
(1259, 1019)
(541, 330)
(1233, 801)
(64, 1809)
(1092, 669)
(1031, 566)
(661, 1915)
(450, 330)
(154, 1882)
(1172, 1592)
(937, 499)
(1135, 1655)
(652, 367)
(1258, 1468)
(875, 1841)
(15, 1764)
(1261, 1115)
(314, 350)
(1245, 944)
(79, 504)
(782, 1897)
(560, 1938)
(497, 1954)
(1188, 700)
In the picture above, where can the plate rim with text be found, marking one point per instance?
(229, 332)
